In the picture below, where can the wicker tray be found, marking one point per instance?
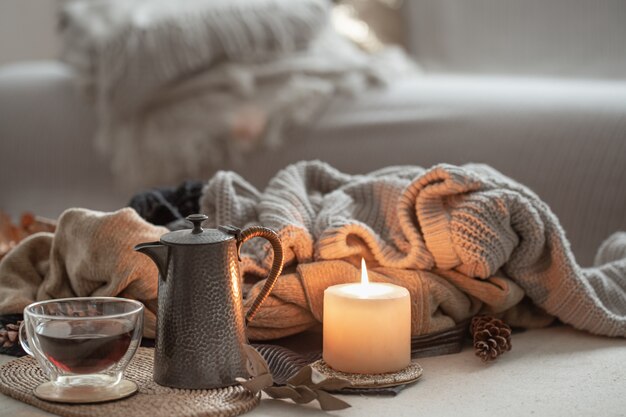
(19, 377)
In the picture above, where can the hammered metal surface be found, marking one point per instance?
(200, 325)
(185, 237)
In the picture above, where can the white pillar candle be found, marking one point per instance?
(367, 327)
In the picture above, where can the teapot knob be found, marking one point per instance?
(197, 220)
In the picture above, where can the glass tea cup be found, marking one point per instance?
(83, 342)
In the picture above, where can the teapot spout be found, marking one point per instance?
(158, 253)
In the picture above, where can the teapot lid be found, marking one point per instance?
(197, 235)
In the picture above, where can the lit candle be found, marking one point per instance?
(367, 327)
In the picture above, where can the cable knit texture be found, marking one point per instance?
(461, 239)
(91, 254)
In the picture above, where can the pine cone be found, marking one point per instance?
(9, 334)
(492, 337)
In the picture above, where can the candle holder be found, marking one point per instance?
(410, 374)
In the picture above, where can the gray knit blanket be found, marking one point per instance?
(461, 239)
(181, 89)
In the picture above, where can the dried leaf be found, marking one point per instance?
(258, 370)
(333, 384)
(306, 394)
(300, 388)
(257, 384)
(329, 402)
(283, 392)
(312, 378)
(302, 377)
(299, 395)
(11, 234)
(33, 224)
(256, 365)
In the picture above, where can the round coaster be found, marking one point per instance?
(407, 375)
(84, 395)
(20, 377)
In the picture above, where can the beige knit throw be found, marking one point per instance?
(461, 239)
(91, 254)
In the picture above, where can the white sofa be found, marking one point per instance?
(490, 94)
(564, 139)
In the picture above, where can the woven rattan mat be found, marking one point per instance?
(19, 377)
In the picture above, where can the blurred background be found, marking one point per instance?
(563, 38)
(100, 100)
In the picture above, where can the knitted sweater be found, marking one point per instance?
(469, 228)
(91, 254)
(460, 239)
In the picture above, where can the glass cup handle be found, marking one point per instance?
(24, 339)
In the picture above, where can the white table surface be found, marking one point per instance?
(550, 372)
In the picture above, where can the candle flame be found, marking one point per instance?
(367, 289)
(364, 278)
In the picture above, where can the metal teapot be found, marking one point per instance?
(200, 320)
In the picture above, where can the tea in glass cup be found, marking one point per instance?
(83, 342)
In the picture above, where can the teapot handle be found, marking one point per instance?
(277, 265)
